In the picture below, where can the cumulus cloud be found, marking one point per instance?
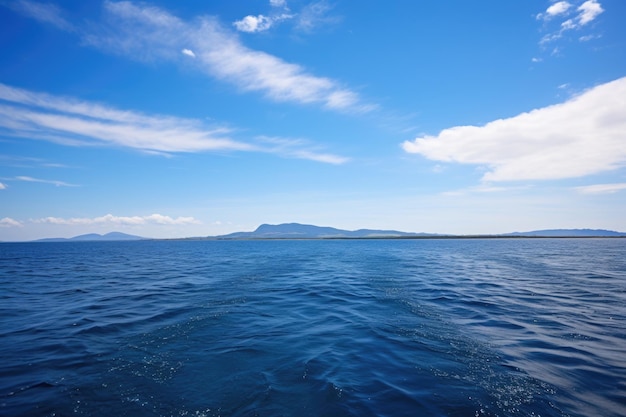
(145, 32)
(556, 9)
(260, 23)
(9, 222)
(253, 24)
(588, 11)
(601, 188)
(155, 219)
(188, 52)
(584, 14)
(582, 136)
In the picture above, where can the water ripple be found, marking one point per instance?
(314, 328)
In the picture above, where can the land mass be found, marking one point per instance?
(307, 231)
(113, 236)
(570, 233)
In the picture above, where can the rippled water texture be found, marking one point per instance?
(516, 327)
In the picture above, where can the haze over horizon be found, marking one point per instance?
(172, 119)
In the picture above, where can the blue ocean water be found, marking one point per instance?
(494, 327)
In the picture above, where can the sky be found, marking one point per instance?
(169, 119)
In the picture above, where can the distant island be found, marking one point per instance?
(569, 233)
(307, 231)
(91, 237)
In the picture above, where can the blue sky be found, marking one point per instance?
(174, 119)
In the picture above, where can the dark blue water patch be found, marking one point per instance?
(314, 328)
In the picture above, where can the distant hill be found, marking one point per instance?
(307, 231)
(113, 236)
(569, 233)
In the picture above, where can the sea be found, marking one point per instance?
(408, 327)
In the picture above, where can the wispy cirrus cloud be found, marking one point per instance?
(601, 188)
(73, 122)
(219, 53)
(44, 12)
(154, 219)
(147, 33)
(43, 181)
(582, 136)
(316, 14)
(299, 148)
(308, 18)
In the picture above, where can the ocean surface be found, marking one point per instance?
(494, 327)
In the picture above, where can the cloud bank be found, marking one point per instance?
(601, 188)
(154, 219)
(582, 136)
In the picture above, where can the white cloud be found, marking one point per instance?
(481, 189)
(589, 10)
(558, 8)
(585, 13)
(260, 23)
(148, 33)
(253, 24)
(74, 122)
(314, 15)
(9, 222)
(582, 136)
(2, 186)
(188, 52)
(601, 188)
(155, 219)
(278, 3)
(588, 38)
(53, 182)
(44, 12)
(300, 149)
